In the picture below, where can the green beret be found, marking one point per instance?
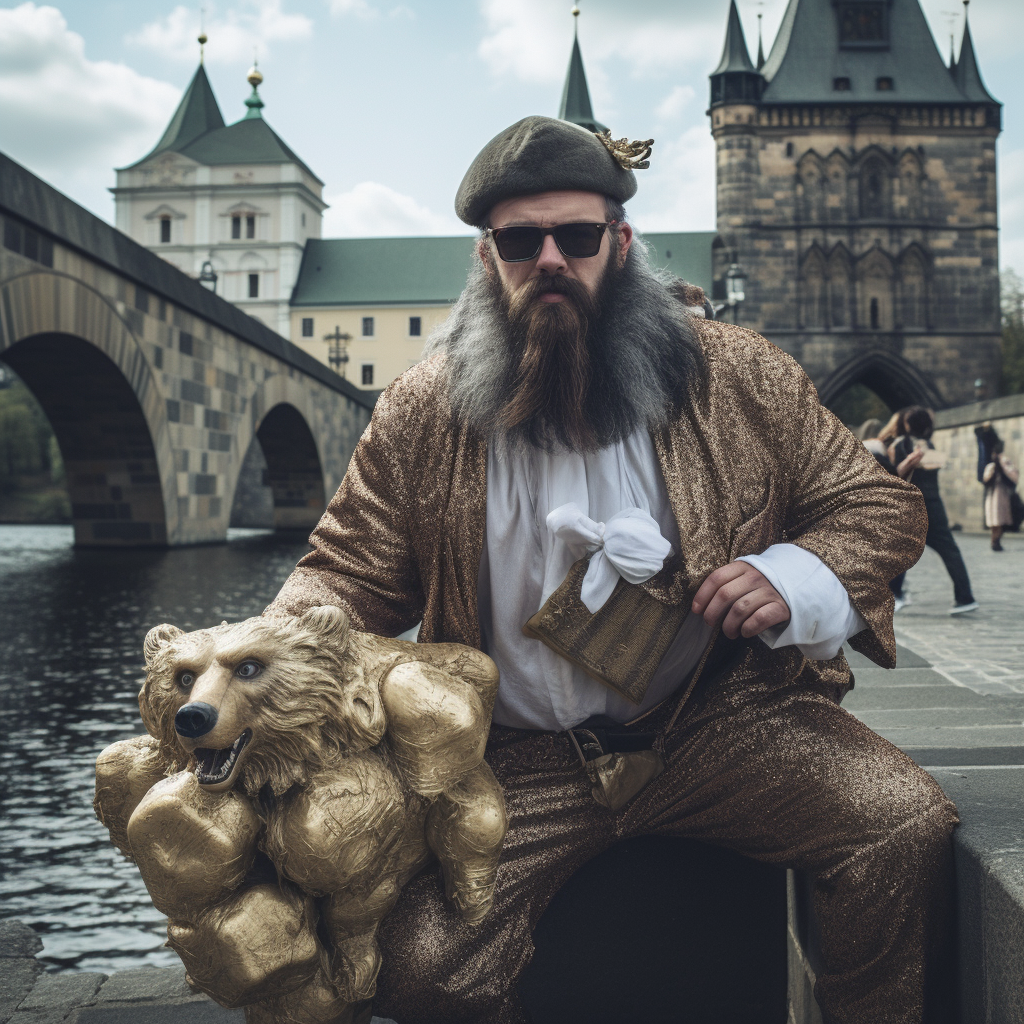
(540, 154)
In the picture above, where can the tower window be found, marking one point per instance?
(367, 326)
(303, 220)
(165, 229)
(236, 227)
(254, 286)
(367, 369)
(415, 326)
(789, 149)
(841, 84)
(883, 84)
(874, 314)
(250, 226)
(307, 327)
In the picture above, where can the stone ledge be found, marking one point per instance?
(139, 995)
(978, 412)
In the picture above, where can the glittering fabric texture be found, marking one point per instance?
(779, 773)
(765, 762)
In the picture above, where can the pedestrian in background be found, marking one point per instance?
(877, 439)
(919, 425)
(1000, 479)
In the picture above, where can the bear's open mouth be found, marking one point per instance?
(213, 766)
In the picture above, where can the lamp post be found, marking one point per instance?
(735, 290)
(338, 354)
(208, 276)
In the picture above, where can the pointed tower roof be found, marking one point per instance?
(735, 56)
(248, 141)
(966, 73)
(576, 96)
(760, 45)
(197, 113)
(810, 52)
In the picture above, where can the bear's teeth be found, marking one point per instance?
(208, 759)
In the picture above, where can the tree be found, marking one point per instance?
(1012, 288)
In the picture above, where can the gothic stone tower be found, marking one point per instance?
(856, 186)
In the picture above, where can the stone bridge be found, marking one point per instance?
(177, 414)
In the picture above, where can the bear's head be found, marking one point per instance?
(260, 702)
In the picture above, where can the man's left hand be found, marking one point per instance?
(740, 600)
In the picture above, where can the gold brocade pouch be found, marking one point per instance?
(621, 644)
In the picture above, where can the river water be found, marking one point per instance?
(72, 624)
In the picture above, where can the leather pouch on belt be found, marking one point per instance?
(620, 645)
(618, 762)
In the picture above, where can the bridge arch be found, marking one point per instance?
(75, 352)
(894, 379)
(283, 426)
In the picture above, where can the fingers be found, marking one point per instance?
(709, 588)
(740, 600)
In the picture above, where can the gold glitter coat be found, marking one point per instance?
(759, 462)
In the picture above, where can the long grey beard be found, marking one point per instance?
(646, 363)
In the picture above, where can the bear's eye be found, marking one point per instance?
(185, 680)
(249, 670)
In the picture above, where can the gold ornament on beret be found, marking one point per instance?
(631, 156)
(296, 775)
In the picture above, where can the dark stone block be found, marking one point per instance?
(18, 939)
(666, 930)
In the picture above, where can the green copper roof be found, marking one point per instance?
(197, 131)
(197, 113)
(806, 58)
(417, 271)
(735, 56)
(576, 96)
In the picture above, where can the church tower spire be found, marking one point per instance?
(576, 105)
(760, 44)
(966, 73)
(735, 79)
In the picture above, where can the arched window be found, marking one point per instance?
(839, 290)
(910, 187)
(874, 188)
(913, 288)
(874, 285)
(813, 298)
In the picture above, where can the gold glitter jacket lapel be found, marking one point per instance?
(758, 462)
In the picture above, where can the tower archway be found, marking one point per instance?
(894, 379)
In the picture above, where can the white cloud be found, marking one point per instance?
(69, 119)
(673, 105)
(678, 192)
(530, 39)
(356, 8)
(372, 209)
(234, 33)
(1011, 210)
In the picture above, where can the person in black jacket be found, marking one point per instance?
(919, 428)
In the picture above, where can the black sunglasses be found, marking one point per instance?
(574, 241)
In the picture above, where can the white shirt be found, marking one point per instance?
(524, 561)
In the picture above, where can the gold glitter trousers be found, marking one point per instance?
(778, 773)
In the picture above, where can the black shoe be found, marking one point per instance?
(996, 546)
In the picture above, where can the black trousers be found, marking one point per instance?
(940, 540)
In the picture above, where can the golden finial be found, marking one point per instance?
(201, 38)
(255, 76)
(575, 12)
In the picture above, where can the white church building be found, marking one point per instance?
(231, 196)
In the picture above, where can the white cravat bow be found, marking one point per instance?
(629, 545)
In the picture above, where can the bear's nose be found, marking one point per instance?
(195, 719)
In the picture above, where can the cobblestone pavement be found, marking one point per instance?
(983, 650)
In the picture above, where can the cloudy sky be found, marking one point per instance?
(389, 100)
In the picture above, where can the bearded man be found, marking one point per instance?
(589, 483)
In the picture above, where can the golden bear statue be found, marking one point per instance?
(296, 775)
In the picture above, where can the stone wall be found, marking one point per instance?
(869, 240)
(954, 436)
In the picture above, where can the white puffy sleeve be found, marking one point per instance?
(821, 614)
